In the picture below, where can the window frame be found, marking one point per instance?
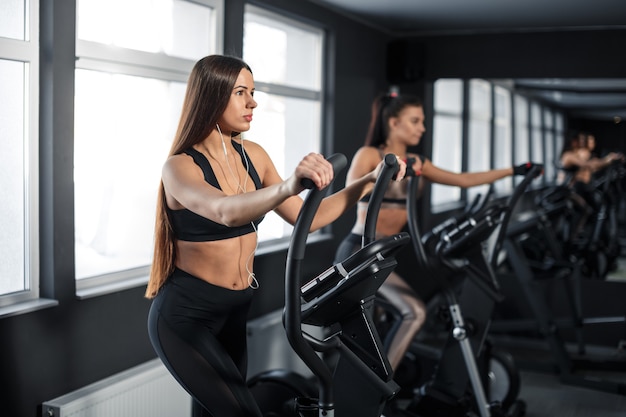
(549, 137)
(100, 57)
(502, 123)
(287, 91)
(537, 137)
(522, 149)
(476, 117)
(441, 114)
(26, 51)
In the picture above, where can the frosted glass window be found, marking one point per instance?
(19, 153)
(13, 23)
(480, 98)
(536, 137)
(522, 136)
(447, 137)
(447, 154)
(117, 166)
(479, 134)
(286, 118)
(502, 103)
(503, 140)
(550, 167)
(479, 156)
(536, 133)
(548, 119)
(448, 96)
(535, 115)
(537, 151)
(286, 59)
(13, 138)
(134, 58)
(548, 124)
(558, 132)
(558, 121)
(173, 27)
(282, 51)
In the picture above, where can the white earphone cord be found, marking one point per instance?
(252, 281)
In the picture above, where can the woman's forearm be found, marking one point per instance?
(240, 209)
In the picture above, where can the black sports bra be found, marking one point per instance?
(400, 201)
(192, 227)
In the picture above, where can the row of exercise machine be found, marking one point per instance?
(452, 368)
(544, 254)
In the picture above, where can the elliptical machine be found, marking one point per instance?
(601, 248)
(461, 255)
(359, 382)
(536, 262)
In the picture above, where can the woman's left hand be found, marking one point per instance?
(399, 175)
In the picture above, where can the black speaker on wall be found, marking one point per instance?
(405, 61)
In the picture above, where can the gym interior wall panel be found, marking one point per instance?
(561, 54)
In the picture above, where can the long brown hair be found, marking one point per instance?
(209, 88)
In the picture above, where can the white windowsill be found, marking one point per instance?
(27, 307)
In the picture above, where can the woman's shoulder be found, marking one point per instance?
(178, 159)
(247, 143)
(369, 152)
(255, 149)
(364, 160)
(180, 165)
(367, 157)
(259, 158)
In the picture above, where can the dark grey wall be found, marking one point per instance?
(562, 54)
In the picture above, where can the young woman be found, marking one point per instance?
(397, 123)
(580, 158)
(214, 192)
(579, 162)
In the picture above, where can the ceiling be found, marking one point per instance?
(591, 98)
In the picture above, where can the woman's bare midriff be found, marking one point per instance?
(583, 175)
(219, 262)
(391, 220)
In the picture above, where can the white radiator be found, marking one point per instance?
(147, 390)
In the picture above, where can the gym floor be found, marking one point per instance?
(546, 396)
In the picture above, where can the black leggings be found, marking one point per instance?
(199, 332)
(347, 247)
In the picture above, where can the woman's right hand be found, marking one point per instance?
(415, 166)
(314, 167)
(614, 156)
